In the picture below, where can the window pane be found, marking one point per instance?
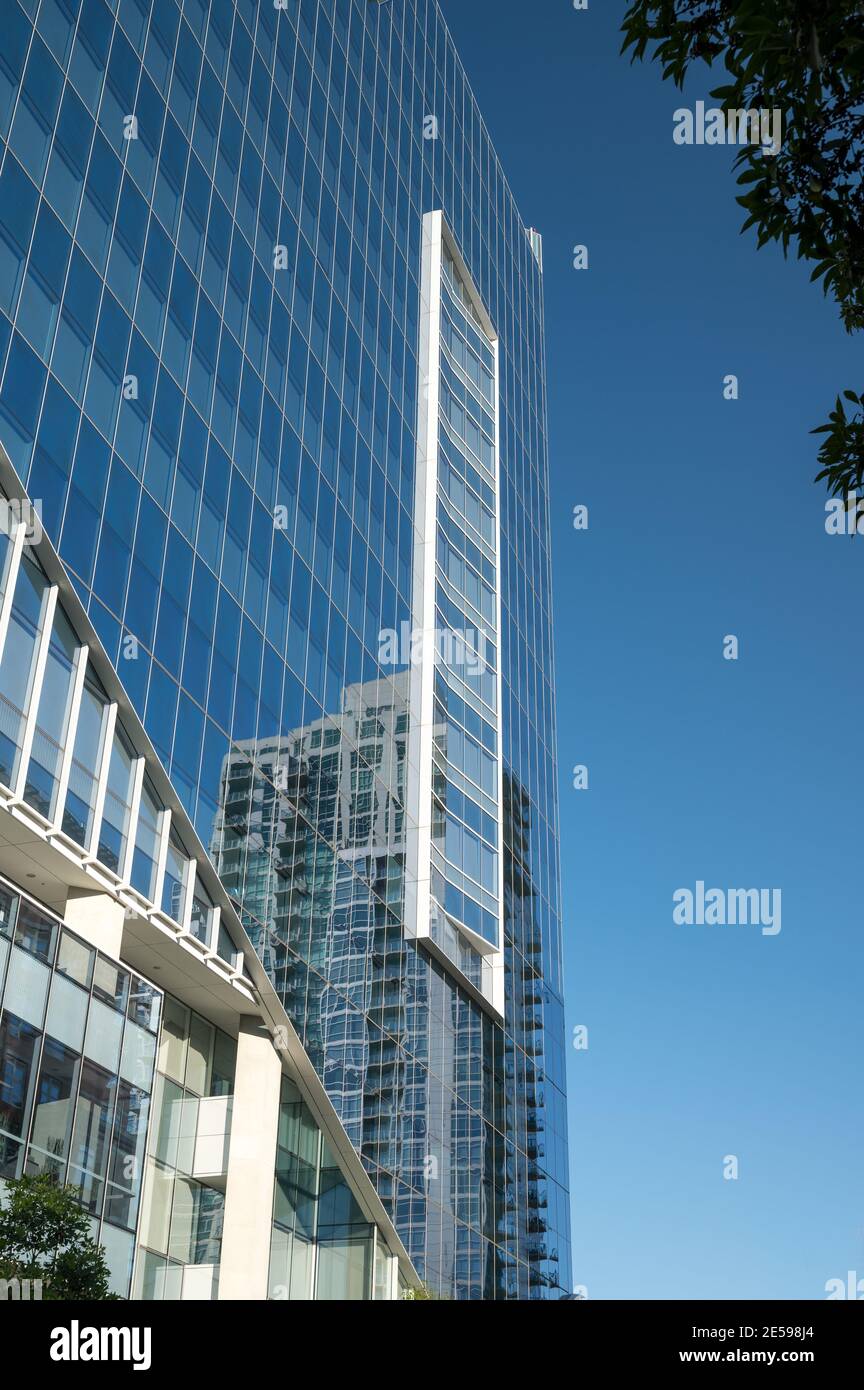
(92, 1130)
(226, 948)
(8, 905)
(196, 1222)
(302, 1259)
(138, 1057)
(174, 885)
(52, 1117)
(144, 1004)
(52, 718)
(35, 932)
(174, 1040)
(145, 859)
(165, 1133)
(198, 1057)
(110, 984)
(178, 1125)
(75, 959)
(202, 916)
(118, 794)
(7, 519)
(343, 1269)
(86, 759)
(67, 1013)
(19, 1045)
(27, 987)
(17, 665)
(104, 1031)
(224, 1065)
(119, 1253)
(127, 1156)
(156, 1217)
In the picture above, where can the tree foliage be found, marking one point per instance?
(806, 58)
(45, 1234)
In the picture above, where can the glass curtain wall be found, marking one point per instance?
(77, 1053)
(209, 329)
(181, 1223)
(322, 1247)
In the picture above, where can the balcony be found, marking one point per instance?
(212, 1138)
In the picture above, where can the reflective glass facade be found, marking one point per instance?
(211, 220)
(65, 752)
(77, 1051)
(180, 1236)
(322, 1248)
(466, 781)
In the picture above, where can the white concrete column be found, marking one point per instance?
(96, 917)
(248, 1216)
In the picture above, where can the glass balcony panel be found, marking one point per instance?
(147, 836)
(175, 880)
(114, 828)
(18, 664)
(52, 719)
(77, 820)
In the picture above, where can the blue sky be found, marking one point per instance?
(703, 521)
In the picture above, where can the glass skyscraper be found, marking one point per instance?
(272, 373)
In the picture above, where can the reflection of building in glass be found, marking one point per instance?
(310, 840)
(78, 1039)
(172, 1108)
(273, 372)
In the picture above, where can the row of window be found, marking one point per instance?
(220, 43)
(78, 1038)
(39, 934)
(322, 27)
(465, 813)
(322, 1246)
(182, 1217)
(53, 705)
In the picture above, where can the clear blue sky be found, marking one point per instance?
(703, 520)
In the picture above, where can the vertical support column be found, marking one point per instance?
(248, 1217)
(421, 676)
(98, 918)
(438, 247)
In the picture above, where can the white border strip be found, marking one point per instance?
(418, 877)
